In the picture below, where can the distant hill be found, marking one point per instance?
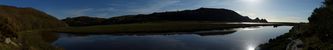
(17, 19)
(85, 21)
(201, 14)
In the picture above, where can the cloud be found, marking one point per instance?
(106, 9)
(97, 12)
(154, 7)
(119, 8)
(78, 12)
(124, 9)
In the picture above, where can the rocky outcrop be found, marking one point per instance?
(259, 20)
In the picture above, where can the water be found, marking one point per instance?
(244, 23)
(242, 39)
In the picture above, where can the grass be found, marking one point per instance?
(153, 27)
(38, 40)
(4, 46)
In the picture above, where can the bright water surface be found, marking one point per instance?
(243, 39)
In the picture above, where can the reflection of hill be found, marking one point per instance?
(201, 33)
(215, 32)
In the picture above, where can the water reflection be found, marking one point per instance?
(249, 28)
(201, 33)
(237, 40)
(247, 23)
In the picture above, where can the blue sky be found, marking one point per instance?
(272, 10)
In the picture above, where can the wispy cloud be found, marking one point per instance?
(109, 11)
(78, 12)
(98, 12)
(274, 11)
(156, 6)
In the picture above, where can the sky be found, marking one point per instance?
(272, 10)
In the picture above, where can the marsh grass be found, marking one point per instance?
(153, 27)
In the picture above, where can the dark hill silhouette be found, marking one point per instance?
(321, 18)
(17, 19)
(201, 14)
(85, 21)
(321, 26)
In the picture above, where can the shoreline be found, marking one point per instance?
(156, 28)
(284, 41)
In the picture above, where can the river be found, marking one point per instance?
(242, 39)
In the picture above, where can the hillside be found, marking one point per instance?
(320, 33)
(316, 35)
(201, 14)
(15, 20)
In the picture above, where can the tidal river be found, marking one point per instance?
(241, 39)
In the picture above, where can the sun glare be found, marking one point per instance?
(251, 48)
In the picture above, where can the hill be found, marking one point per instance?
(201, 14)
(320, 33)
(316, 35)
(15, 20)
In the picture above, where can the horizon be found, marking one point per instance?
(279, 10)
